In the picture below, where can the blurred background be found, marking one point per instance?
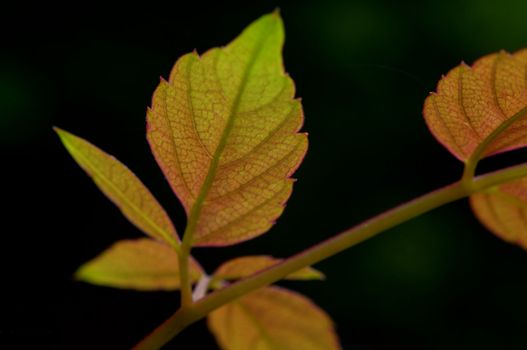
(363, 69)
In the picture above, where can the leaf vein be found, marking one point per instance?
(191, 106)
(462, 102)
(449, 132)
(264, 141)
(256, 177)
(174, 147)
(124, 198)
(246, 214)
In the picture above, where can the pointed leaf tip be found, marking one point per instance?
(141, 264)
(122, 187)
(224, 130)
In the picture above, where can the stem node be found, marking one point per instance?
(347, 239)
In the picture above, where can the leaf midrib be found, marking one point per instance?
(213, 167)
(485, 143)
(165, 235)
(478, 152)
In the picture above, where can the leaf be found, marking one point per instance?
(481, 110)
(503, 210)
(272, 319)
(224, 130)
(123, 188)
(142, 264)
(249, 265)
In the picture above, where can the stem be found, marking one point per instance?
(472, 162)
(184, 277)
(349, 238)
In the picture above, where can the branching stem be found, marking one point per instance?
(193, 312)
(471, 164)
(184, 277)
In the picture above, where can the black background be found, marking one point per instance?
(362, 68)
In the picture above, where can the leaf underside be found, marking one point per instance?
(224, 130)
(141, 264)
(479, 111)
(272, 319)
(472, 103)
(122, 187)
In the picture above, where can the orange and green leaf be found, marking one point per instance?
(503, 210)
(481, 110)
(248, 265)
(123, 188)
(224, 130)
(142, 264)
(273, 319)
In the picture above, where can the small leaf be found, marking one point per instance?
(503, 210)
(224, 130)
(481, 110)
(142, 264)
(123, 188)
(272, 319)
(249, 265)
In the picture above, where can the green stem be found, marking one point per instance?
(472, 162)
(184, 277)
(349, 238)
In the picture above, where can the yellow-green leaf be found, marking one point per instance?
(503, 210)
(481, 110)
(273, 319)
(123, 188)
(224, 130)
(249, 265)
(142, 264)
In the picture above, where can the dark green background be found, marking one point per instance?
(362, 68)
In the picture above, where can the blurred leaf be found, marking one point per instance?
(123, 188)
(503, 210)
(249, 265)
(481, 108)
(224, 130)
(142, 264)
(273, 319)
